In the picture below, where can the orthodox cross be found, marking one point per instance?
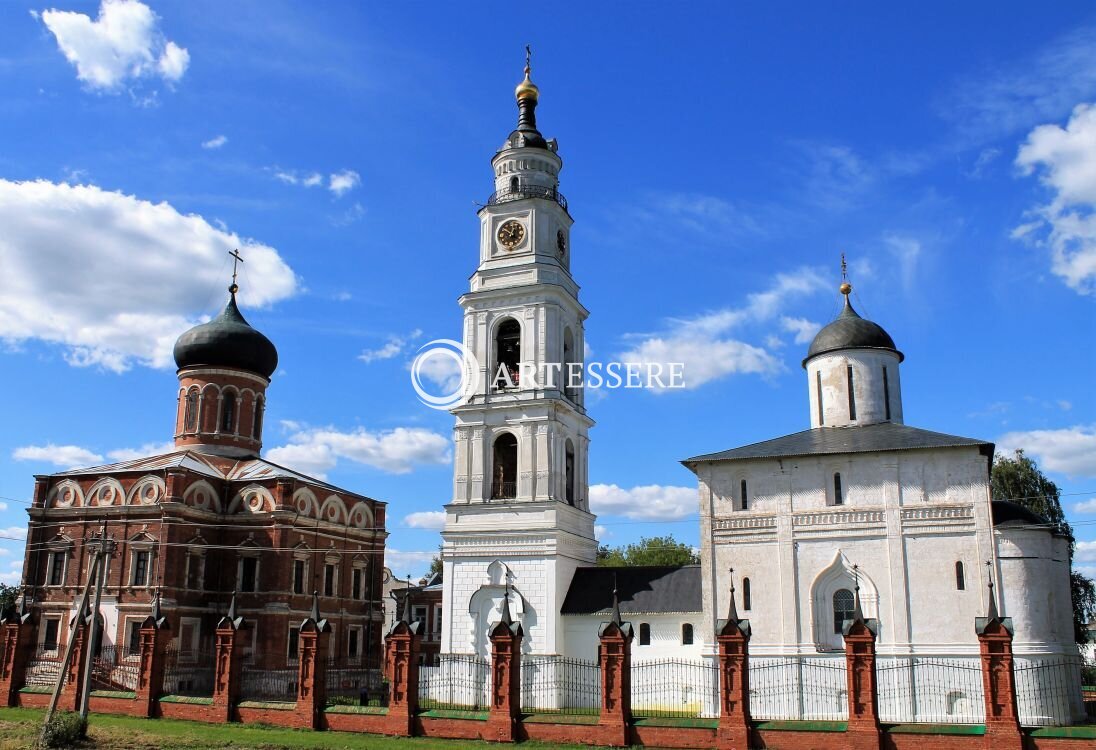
(844, 269)
(528, 55)
(236, 260)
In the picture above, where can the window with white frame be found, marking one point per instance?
(195, 568)
(300, 575)
(140, 568)
(133, 635)
(58, 560)
(418, 613)
(247, 574)
(437, 620)
(293, 643)
(50, 633)
(330, 578)
(357, 582)
(190, 634)
(354, 643)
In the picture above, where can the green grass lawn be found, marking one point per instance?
(19, 729)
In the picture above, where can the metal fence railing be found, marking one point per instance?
(115, 668)
(44, 666)
(189, 672)
(799, 688)
(352, 683)
(559, 684)
(1048, 690)
(269, 685)
(458, 681)
(676, 688)
(937, 690)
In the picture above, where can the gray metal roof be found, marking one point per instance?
(850, 331)
(227, 341)
(648, 589)
(885, 436)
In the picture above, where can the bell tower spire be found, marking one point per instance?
(520, 506)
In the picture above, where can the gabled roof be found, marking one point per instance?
(648, 589)
(245, 469)
(885, 436)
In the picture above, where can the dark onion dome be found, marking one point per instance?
(850, 331)
(227, 341)
(526, 135)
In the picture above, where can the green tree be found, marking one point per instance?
(8, 595)
(657, 550)
(435, 564)
(1018, 479)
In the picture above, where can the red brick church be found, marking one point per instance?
(209, 522)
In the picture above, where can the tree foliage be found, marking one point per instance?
(1018, 479)
(8, 595)
(657, 550)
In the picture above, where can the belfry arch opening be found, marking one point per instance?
(569, 471)
(507, 354)
(505, 452)
(570, 380)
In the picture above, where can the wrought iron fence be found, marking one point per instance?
(45, 666)
(189, 672)
(1048, 690)
(559, 684)
(269, 685)
(799, 687)
(923, 689)
(675, 687)
(352, 683)
(115, 668)
(459, 681)
(518, 192)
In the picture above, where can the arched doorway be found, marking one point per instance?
(504, 484)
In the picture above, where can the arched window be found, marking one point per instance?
(686, 634)
(644, 634)
(190, 417)
(747, 597)
(569, 471)
(743, 496)
(508, 354)
(504, 485)
(570, 380)
(960, 579)
(228, 412)
(852, 396)
(842, 608)
(514, 184)
(838, 492)
(257, 420)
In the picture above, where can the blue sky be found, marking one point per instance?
(717, 160)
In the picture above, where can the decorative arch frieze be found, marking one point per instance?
(107, 491)
(305, 503)
(361, 517)
(203, 496)
(254, 498)
(333, 510)
(65, 494)
(148, 490)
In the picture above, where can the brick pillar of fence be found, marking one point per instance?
(401, 667)
(733, 636)
(228, 665)
(864, 732)
(312, 668)
(155, 636)
(998, 679)
(615, 657)
(504, 713)
(74, 673)
(18, 638)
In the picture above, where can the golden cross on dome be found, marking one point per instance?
(236, 260)
(528, 56)
(844, 268)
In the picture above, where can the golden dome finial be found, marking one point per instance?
(845, 287)
(527, 89)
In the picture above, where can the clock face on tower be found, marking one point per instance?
(561, 243)
(511, 234)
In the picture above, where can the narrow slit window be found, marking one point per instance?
(852, 395)
(257, 419)
(886, 395)
(190, 418)
(744, 495)
(747, 598)
(686, 634)
(960, 577)
(644, 634)
(228, 412)
(818, 388)
(838, 491)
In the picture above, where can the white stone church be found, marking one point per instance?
(860, 495)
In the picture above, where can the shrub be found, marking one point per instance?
(65, 729)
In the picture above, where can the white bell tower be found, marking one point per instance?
(520, 510)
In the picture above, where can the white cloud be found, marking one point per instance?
(3, 506)
(1071, 450)
(803, 329)
(394, 346)
(114, 279)
(600, 532)
(215, 142)
(653, 502)
(65, 456)
(427, 519)
(1085, 552)
(14, 574)
(703, 343)
(905, 253)
(14, 532)
(396, 451)
(1065, 161)
(313, 180)
(343, 181)
(124, 44)
(148, 449)
(403, 563)
(1085, 506)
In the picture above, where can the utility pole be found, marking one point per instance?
(106, 547)
(93, 574)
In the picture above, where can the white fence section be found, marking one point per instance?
(675, 687)
(792, 688)
(930, 689)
